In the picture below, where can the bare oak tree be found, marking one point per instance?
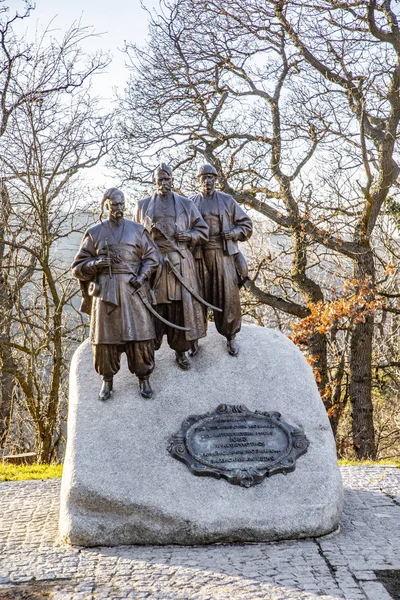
(51, 131)
(297, 105)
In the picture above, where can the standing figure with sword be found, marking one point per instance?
(114, 265)
(176, 227)
(221, 266)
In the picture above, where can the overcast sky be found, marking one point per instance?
(116, 20)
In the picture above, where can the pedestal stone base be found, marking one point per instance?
(121, 486)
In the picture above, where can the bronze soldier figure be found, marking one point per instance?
(176, 226)
(222, 268)
(114, 264)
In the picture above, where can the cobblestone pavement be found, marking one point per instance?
(34, 565)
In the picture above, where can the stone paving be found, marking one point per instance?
(34, 565)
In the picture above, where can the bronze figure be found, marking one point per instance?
(176, 227)
(114, 265)
(221, 266)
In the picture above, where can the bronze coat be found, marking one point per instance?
(231, 216)
(216, 264)
(117, 314)
(169, 289)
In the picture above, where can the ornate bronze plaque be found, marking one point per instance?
(241, 445)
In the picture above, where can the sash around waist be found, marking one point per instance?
(166, 246)
(117, 269)
(214, 242)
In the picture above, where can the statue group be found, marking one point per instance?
(160, 273)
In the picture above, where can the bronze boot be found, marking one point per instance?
(232, 345)
(106, 390)
(145, 388)
(194, 349)
(182, 360)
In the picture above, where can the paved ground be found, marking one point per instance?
(33, 565)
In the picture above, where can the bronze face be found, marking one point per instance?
(163, 182)
(207, 183)
(116, 205)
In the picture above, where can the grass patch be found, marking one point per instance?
(24, 472)
(370, 463)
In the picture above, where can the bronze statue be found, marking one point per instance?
(114, 265)
(222, 267)
(176, 227)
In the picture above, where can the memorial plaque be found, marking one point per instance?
(241, 445)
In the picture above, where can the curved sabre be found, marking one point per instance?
(188, 287)
(142, 295)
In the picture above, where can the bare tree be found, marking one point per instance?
(52, 131)
(362, 67)
(298, 107)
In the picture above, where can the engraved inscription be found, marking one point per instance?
(240, 445)
(230, 442)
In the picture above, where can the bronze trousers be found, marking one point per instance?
(140, 356)
(220, 285)
(176, 339)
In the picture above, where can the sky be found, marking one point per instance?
(116, 21)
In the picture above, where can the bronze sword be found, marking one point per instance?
(142, 295)
(188, 287)
(108, 256)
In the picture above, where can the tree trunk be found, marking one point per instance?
(312, 293)
(6, 378)
(6, 394)
(319, 351)
(338, 398)
(51, 412)
(360, 384)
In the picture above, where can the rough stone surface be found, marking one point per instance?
(121, 486)
(33, 563)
